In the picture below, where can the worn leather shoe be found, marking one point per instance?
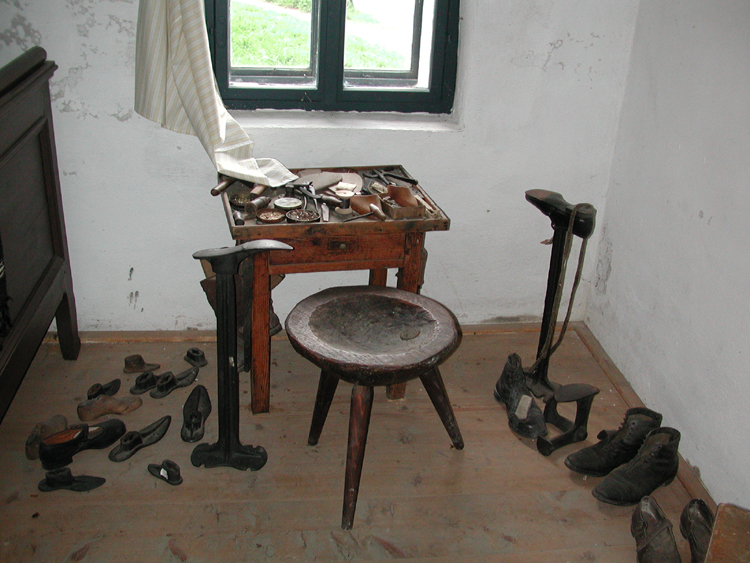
(696, 525)
(524, 416)
(56, 424)
(653, 534)
(58, 450)
(654, 465)
(195, 412)
(615, 447)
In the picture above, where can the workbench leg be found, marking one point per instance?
(379, 277)
(261, 339)
(409, 279)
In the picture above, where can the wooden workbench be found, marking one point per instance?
(364, 244)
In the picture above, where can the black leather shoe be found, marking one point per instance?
(195, 412)
(134, 441)
(653, 534)
(58, 450)
(654, 465)
(696, 525)
(524, 416)
(615, 447)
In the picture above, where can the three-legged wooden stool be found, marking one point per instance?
(372, 336)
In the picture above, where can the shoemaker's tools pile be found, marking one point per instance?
(55, 443)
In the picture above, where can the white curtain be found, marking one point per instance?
(175, 86)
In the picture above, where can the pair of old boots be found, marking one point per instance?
(653, 535)
(634, 460)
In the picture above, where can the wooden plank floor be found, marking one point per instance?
(498, 500)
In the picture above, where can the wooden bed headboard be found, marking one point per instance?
(35, 280)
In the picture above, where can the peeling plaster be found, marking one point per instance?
(21, 33)
(126, 27)
(121, 114)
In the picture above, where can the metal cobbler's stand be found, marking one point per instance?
(568, 220)
(228, 451)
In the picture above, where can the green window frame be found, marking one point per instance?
(331, 89)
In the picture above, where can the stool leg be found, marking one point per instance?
(433, 384)
(359, 422)
(326, 390)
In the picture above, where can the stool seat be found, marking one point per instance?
(373, 335)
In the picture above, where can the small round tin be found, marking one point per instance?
(267, 215)
(302, 216)
(287, 203)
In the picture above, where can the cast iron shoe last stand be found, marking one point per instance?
(228, 451)
(567, 220)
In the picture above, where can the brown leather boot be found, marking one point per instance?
(696, 525)
(655, 465)
(653, 534)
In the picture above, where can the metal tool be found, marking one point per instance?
(383, 176)
(251, 209)
(374, 210)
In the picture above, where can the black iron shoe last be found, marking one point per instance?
(195, 412)
(615, 447)
(134, 441)
(168, 382)
(63, 479)
(524, 416)
(168, 471)
(103, 389)
(653, 534)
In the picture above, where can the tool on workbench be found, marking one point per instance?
(374, 210)
(287, 203)
(238, 218)
(251, 208)
(383, 175)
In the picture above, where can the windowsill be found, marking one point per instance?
(299, 119)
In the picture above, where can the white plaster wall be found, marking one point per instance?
(540, 89)
(670, 303)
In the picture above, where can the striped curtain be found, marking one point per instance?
(175, 86)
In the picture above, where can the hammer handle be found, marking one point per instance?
(221, 186)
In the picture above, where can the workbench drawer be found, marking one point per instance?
(342, 248)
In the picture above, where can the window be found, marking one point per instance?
(335, 55)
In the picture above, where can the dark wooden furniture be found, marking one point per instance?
(36, 272)
(371, 336)
(331, 246)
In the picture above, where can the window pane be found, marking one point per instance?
(273, 42)
(388, 43)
